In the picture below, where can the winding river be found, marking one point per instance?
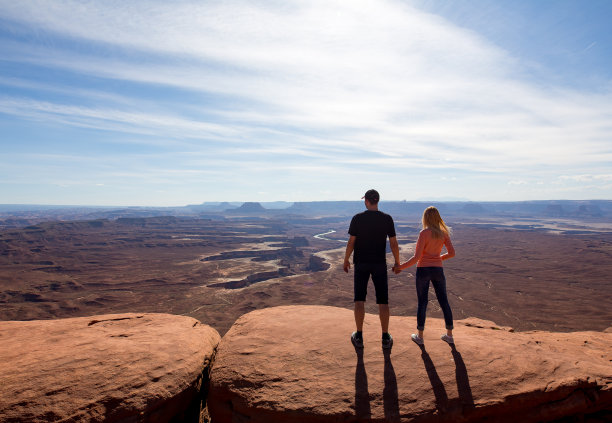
(322, 236)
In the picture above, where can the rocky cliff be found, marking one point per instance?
(108, 368)
(296, 364)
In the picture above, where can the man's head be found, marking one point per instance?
(372, 197)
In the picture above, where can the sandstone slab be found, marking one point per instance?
(297, 364)
(111, 368)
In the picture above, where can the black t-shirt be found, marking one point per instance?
(371, 229)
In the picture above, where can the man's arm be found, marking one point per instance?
(395, 250)
(350, 246)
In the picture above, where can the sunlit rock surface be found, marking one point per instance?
(111, 368)
(297, 364)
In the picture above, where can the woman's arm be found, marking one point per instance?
(418, 252)
(450, 250)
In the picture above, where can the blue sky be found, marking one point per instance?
(171, 103)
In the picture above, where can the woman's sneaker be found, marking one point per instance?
(447, 338)
(357, 341)
(417, 339)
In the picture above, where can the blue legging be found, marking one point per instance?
(436, 275)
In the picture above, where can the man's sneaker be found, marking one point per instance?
(387, 343)
(447, 338)
(417, 339)
(357, 342)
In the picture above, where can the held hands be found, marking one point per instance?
(397, 268)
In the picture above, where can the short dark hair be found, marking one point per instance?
(372, 196)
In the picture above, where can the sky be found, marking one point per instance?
(157, 103)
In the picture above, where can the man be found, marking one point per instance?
(368, 239)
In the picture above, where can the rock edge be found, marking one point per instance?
(113, 368)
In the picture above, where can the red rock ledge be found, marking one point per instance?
(296, 364)
(111, 368)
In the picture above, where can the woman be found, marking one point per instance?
(433, 237)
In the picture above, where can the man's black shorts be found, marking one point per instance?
(379, 277)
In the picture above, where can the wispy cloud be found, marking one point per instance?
(587, 178)
(116, 120)
(359, 84)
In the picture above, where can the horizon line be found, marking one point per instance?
(293, 202)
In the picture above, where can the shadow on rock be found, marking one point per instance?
(434, 379)
(390, 395)
(463, 381)
(362, 395)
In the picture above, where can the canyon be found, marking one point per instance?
(531, 273)
(540, 272)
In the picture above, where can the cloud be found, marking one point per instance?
(586, 178)
(364, 84)
(115, 120)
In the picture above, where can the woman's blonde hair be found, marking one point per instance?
(433, 221)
